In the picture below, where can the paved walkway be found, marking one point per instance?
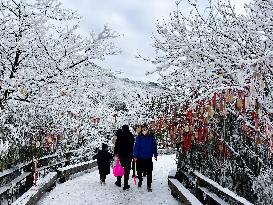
(86, 189)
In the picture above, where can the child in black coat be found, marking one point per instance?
(103, 159)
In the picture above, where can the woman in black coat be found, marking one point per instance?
(103, 159)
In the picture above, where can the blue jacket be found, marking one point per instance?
(145, 147)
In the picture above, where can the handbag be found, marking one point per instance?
(118, 170)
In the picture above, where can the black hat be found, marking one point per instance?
(104, 146)
(125, 127)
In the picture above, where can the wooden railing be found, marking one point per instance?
(34, 194)
(215, 192)
(204, 189)
(16, 181)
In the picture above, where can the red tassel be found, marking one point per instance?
(256, 123)
(214, 98)
(244, 105)
(226, 153)
(206, 134)
(187, 142)
(190, 117)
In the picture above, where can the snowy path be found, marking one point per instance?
(86, 189)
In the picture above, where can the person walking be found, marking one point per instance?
(104, 160)
(124, 152)
(145, 148)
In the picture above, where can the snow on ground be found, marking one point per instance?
(86, 189)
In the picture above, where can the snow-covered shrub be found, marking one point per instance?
(4, 146)
(263, 187)
(219, 63)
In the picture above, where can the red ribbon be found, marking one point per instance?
(200, 134)
(214, 99)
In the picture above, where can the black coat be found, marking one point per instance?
(124, 145)
(104, 159)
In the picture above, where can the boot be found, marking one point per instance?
(117, 183)
(149, 187)
(126, 187)
(139, 183)
(103, 179)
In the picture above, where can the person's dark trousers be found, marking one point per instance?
(144, 173)
(119, 180)
(102, 178)
(126, 163)
(145, 165)
(133, 168)
(149, 178)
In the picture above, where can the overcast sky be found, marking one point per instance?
(135, 21)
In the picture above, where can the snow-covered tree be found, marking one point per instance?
(219, 64)
(40, 48)
(39, 42)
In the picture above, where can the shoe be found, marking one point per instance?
(139, 183)
(126, 187)
(118, 184)
(149, 189)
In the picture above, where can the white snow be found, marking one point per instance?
(76, 165)
(224, 190)
(86, 189)
(213, 196)
(190, 197)
(24, 199)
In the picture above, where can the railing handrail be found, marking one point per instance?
(221, 189)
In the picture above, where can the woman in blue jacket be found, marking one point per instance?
(145, 148)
